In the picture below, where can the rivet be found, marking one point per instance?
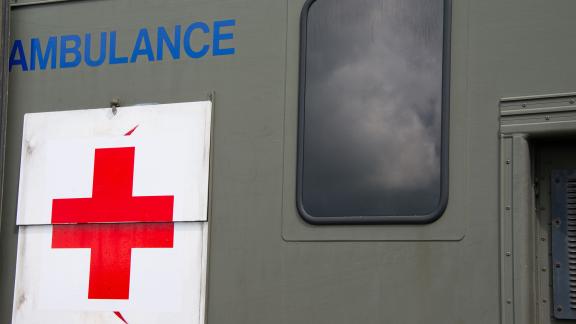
(557, 222)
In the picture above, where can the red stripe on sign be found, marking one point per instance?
(131, 131)
(120, 316)
(111, 250)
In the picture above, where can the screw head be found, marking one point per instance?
(115, 102)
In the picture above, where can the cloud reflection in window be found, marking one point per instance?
(372, 108)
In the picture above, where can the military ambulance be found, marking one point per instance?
(288, 161)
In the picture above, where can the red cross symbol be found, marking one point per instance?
(112, 202)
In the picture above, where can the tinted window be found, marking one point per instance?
(372, 111)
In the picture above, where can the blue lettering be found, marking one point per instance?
(21, 60)
(187, 46)
(218, 36)
(68, 51)
(113, 58)
(138, 50)
(49, 53)
(88, 50)
(173, 45)
(74, 50)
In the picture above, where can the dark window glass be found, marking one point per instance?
(372, 111)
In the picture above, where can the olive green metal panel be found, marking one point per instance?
(265, 265)
(248, 87)
(4, 52)
(517, 238)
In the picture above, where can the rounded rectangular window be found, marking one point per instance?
(373, 115)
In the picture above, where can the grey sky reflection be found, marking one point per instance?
(373, 107)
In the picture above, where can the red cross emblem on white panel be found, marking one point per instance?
(113, 215)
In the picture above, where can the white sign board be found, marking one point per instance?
(171, 155)
(112, 211)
